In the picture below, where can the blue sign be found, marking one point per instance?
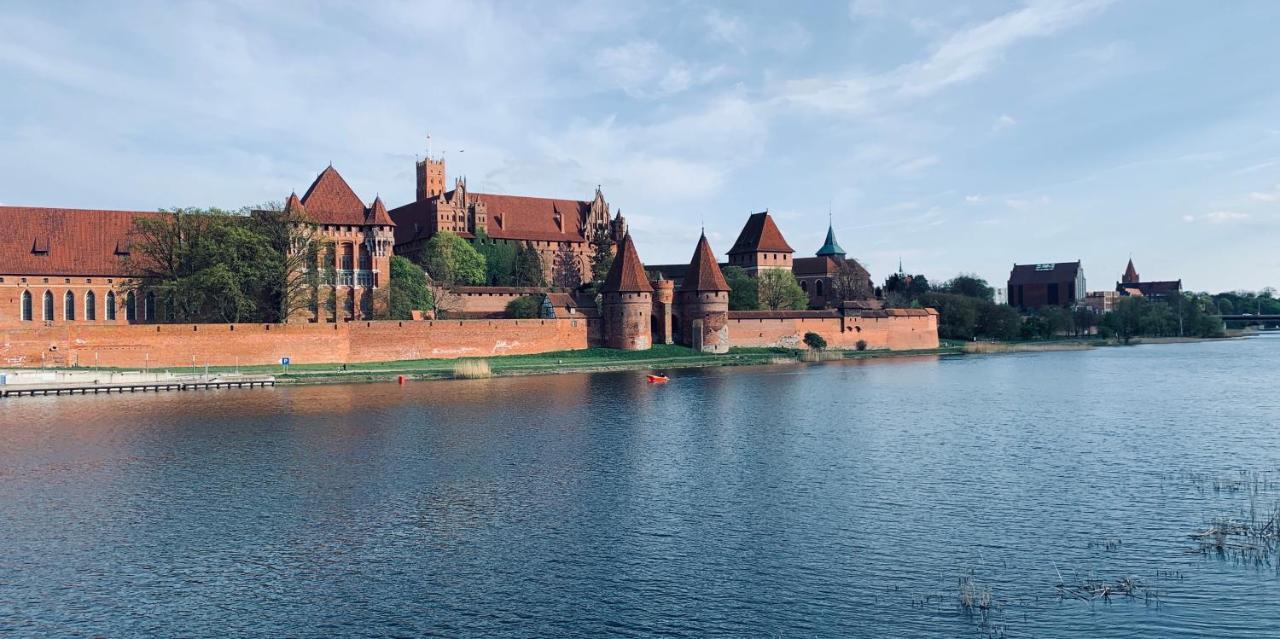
(284, 361)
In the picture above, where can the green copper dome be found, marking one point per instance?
(831, 246)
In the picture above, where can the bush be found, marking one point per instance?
(861, 345)
(527, 307)
(815, 341)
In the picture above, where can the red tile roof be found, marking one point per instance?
(704, 273)
(378, 213)
(760, 234)
(70, 241)
(516, 217)
(626, 275)
(330, 200)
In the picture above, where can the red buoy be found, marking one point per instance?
(401, 379)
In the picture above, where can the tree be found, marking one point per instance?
(815, 341)
(452, 261)
(602, 253)
(778, 290)
(567, 272)
(1124, 321)
(409, 290)
(499, 259)
(968, 285)
(743, 292)
(528, 266)
(295, 286)
(957, 314)
(910, 286)
(999, 321)
(525, 307)
(850, 282)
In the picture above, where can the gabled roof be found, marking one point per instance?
(831, 246)
(330, 200)
(1043, 273)
(825, 265)
(517, 217)
(704, 273)
(760, 235)
(377, 213)
(626, 275)
(80, 242)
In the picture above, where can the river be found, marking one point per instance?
(842, 499)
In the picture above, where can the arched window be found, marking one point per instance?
(111, 306)
(348, 254)
(26, 306)
(90, 306)
(149, 307)
(817, 287)
(69, 306)
(804, 286)
(48, 306)
(130, 307)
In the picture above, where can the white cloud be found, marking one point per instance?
(1266, 196)
(643, 69)
(1003, 122)
(973, 199)
(917, 164)
(1217, 217)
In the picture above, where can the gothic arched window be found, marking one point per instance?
(90, 306)
(111, 305)
(69, 306)
(817, 287)
(48, 306)
(130, 307)
(149, 307)
(26, 306)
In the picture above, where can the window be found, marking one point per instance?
(804, 286)
(48, 306)
(90, 306)
(149, 307)
(26, 306)
(817, 287)
(348, 253)
(130, 307)
(69, 306)
(366, 261)
(111, 305)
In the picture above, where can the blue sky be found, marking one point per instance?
(959, 137)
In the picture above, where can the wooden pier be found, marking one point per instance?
(87, 388)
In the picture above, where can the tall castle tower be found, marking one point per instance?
(704, 303)
(430, 178)
(628, 301)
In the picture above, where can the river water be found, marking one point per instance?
(843, 499)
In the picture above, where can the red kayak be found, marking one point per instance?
(658, 379)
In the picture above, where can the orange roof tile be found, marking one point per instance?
(760, 234)
(330, 200)
(51, 241)
(704, 272)
(626, 275)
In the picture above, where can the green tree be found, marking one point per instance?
(528, 267)
(452, 261)
(743, 293)
(816, 341)
(957, 314)
(999, 321)
(499, 259)
(777, 289)
(602, 246)
(566, 272)
(409, 290)
(526, 307)
(968, 285)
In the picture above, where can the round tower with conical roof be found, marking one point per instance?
(628, 301)
(704, 303)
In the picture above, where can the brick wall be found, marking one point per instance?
(245, 344)
(898, 333)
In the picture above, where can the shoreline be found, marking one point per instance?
(660, 358)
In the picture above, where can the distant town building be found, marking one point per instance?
(1001, 295)
(1131, 285)
(1033, 286)
(1101, 301)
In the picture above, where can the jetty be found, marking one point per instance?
(28, 383)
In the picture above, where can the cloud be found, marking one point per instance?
(643, 69)
(973, 199)
(1217, 217)
(1003, 122)
(915, 165)
(1266, 196)
(963, 56)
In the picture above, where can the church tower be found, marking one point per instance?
(628, 301)
(1130, 274)
(430, 178)
(704, 303)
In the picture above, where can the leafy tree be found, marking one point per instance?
(778, 289)
(299, 275)
(910, 286)
(452, 261)
(999, 321)
(815, 341)
(602, 246)
(526, 307)
(566, 273)
(743, 293)
(499, 259)
(1125, 319)
(968, 285)
(409, 290)
(528, 266)
(1057, 321)
(957, 314)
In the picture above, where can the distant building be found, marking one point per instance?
(760, 246)
(1130, 285)
(1033, 286)
(1101, 301)
(1001, 295)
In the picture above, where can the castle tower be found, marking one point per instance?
(1130, 274)
(664, 294)
(704, 303)
(430, 178)
(628, 301)
(760, 246)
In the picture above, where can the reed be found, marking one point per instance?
(997, 347)
(472, 369)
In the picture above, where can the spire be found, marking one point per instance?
(704, 273)
(378, 213)
(1130, 274)
(626, 275)
(899, 265)
(831, 247)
